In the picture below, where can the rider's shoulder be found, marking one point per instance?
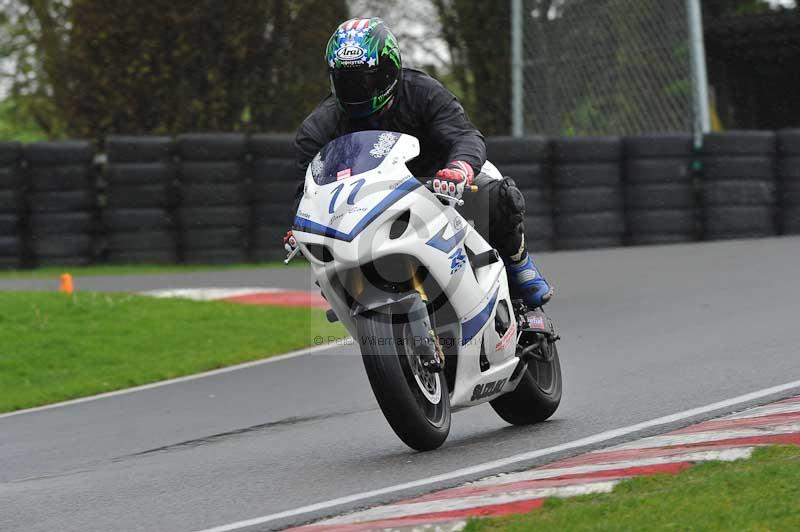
(415, 76)
(419, 81)
(326, 111)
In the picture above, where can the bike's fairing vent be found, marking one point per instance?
(320, 252)
(399, 225)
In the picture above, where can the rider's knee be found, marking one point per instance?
(510, 202)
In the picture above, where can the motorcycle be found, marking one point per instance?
(422, 293)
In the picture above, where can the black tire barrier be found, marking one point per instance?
(66, 249)
(586, 150)
(51, 223)
(732, 193)
(11, 201)
(568, 175)
(789, 180)
(748, 184)
(647, 171)
(272, 214)
(212, 172)
(538, 201)
(9, 224)
(668, 146)
(531, 175)
(9, 246)
(539, 232)
(10, 263)
(212, 147)
(588, 199)
(587, 185)
(139, 197)
(214, 179)
(144, 149)
(791, 221)
(63, 201)
(738, 190)
(141, 175)
(271, 147)
(274, 184)
(662, 222)
(741, 143)
(268, 242)
(278, 192)
(11, 177)
(525, 160)
(739, 222)
(135, 220)
(209, 195)
(791, 194)
(215, 256)
(513, 150)
(267, 171)
(575, 226)
(10, 153)
(59, 153)
(141, 241)
(590, 242)
(150, 256)
(660, 205)
(63, 177)
(656, 239)
(659, 196)
(228, 237)
(209, 217)
(136, 174)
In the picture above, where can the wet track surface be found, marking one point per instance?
(646, 332)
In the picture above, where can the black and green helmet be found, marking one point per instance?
(365, 66)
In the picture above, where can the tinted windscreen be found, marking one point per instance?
(351, 155)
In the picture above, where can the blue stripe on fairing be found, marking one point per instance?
(471, 327)
(446, 244)
(308, 226)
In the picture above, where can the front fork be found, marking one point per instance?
(426, 343)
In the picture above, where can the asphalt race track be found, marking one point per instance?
(647, 332)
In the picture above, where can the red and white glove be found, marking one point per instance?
(453, 179)
(289, 242)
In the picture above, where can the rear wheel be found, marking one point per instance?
(414, 400)
(538, 394)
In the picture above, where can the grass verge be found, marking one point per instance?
(762, 493)
(138, 269)
(55, 347)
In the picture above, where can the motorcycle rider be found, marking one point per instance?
(370, 90)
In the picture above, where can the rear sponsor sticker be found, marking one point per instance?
(537, 322)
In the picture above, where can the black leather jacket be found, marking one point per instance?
(423, 107)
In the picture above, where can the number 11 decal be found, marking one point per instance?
(351, 199)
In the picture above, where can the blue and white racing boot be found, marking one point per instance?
(529, 283)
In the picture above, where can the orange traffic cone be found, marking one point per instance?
(66, 283)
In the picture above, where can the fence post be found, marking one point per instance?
(702, 120)
(517, 110)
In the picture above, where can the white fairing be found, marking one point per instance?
(353, 215)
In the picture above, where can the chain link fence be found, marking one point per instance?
(600, 67)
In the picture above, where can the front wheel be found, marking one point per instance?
(414, 400)
(538, 393)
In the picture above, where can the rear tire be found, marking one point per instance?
(537, 395)
(415, 402)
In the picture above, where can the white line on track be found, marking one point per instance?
(187, 378)
(510, 461)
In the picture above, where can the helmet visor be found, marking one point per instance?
(358, 86)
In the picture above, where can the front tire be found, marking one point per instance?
(415, 402)
(537, 395)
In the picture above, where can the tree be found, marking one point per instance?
(167, 66)
(478, 37)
